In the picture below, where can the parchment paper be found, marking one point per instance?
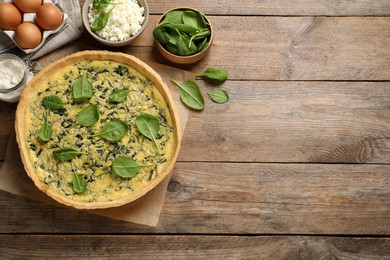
(144, 211)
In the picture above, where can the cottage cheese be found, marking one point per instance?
(125, 20)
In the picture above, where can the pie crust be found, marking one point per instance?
(30, 93)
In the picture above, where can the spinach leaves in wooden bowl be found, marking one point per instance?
(183, 35)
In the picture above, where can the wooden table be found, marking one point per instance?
(295, 165)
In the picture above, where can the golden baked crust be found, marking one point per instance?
(30, 96)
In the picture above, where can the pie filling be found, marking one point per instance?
(95, 162)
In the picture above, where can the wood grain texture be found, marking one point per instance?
(192, 247)
(337, 122)
(238, 198)
(7, 125)
(282, 48)
(289, 48)
(279, 7)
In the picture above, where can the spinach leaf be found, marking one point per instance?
(126, 167)
(148, 125)
(79, 183)
(114, 130)
(203, 45)
(66, 154)
(174, 16)
(185, 47)
(215, 74)
(190, 94)
(172, 48)
(45, 132)
(191, 18)
(173, 37)
(119, 96)
(99, 4)
(53, 103)
(200, 35)
(88, 116)
(101, 21)
(219, 96)
(183, 28)
(202, 20)
(161, 34)
(82, 89)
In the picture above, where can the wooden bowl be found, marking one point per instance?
(53, 176)
(185, 59)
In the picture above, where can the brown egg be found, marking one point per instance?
(28, 35)
(28, 6)
(49, 17)
(10, 16)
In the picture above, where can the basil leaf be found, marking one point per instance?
(88, 116)
(82, 89)
(79, 183)
(119, 96)
(53, 103)
(66, 154)
(219, 96)
(190, 94)
(45, 132)
(215, 74)
(101, 21)
(148, 125)
(126, 167)
(114, 130)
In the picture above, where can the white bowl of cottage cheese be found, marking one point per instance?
(116, 22)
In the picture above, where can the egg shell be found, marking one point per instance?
(30, 17)
(49, 17)
(10, 16)
(28, 6)
(28, 35)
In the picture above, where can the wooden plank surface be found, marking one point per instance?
(280, 7)
(192, 247)
(295, 166)
(287, 48)
(239, 198)
(344, 122)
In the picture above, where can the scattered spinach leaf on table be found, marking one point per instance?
(190, 94)
(214, 74)
(219, 96)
